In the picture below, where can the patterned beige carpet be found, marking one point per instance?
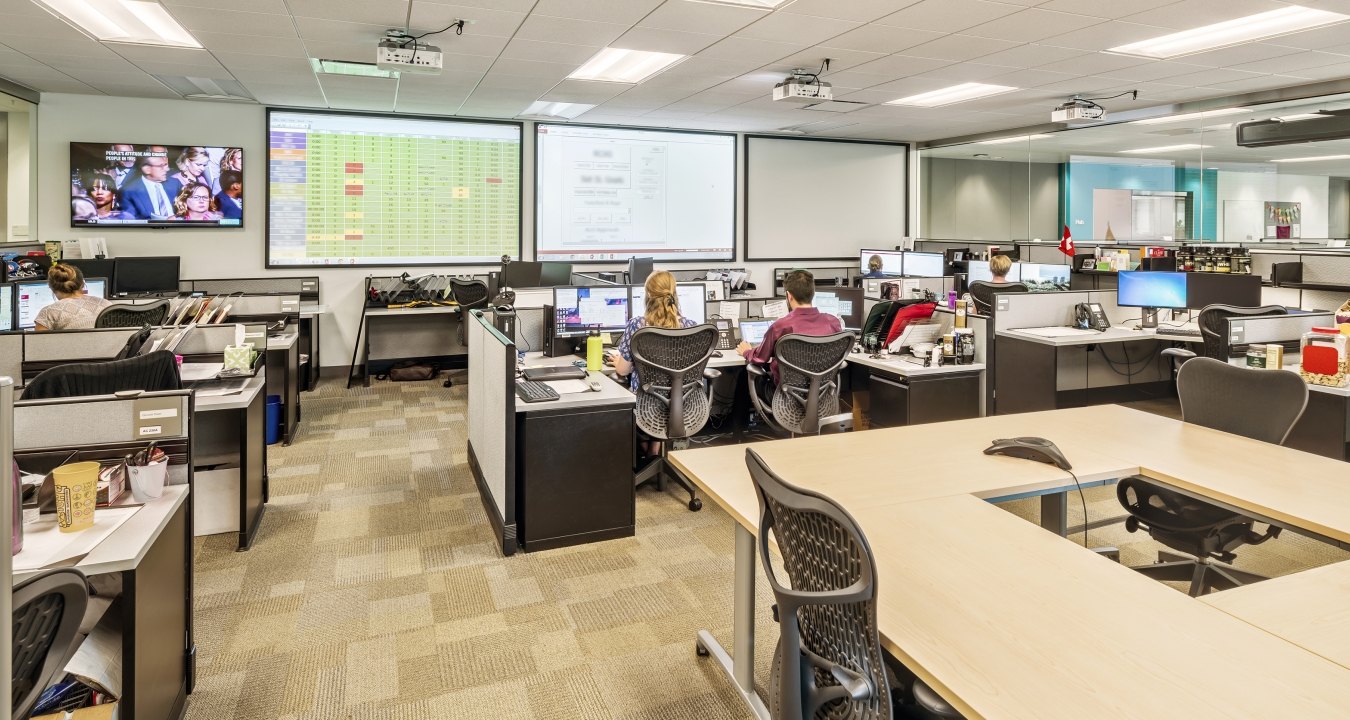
(374, 591)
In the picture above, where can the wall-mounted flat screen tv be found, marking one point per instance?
(126, 185)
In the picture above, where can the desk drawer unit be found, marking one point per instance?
(913, 401)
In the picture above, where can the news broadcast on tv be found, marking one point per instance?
(156, 185)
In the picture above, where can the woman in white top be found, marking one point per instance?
(73, 309)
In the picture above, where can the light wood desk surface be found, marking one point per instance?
(1310, 609)
(1009, 621)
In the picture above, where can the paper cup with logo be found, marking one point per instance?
(76, 488)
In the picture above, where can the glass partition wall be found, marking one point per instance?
(1177, 178)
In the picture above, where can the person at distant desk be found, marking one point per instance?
(73, 309)
(874, 266)
(194, 203)
(230, 198)
(146, 198)
(999, 267)
(804, 319)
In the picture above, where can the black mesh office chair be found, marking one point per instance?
(806, 398)
(983, 293)
(153, 372)
(829, 662)
(122, 315)
(1259, 404)
(672, 397)
(48, 609)
(1214, 329)
(469, 294)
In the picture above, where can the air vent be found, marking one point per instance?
(819, 126)
(198, 88)
(837, 106)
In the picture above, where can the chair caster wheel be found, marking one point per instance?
(695, 505)
(700, 650)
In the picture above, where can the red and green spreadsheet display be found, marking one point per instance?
(349, 189)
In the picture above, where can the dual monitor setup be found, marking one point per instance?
(20, 301)
(1154, 290)
(902, 264)
(1036, 276)
(548, 273)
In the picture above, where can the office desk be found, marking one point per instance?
(904, 393)
(311, 318)
(152, 553)
(1006, 621)
(1034, 372)
(1308, 609)
(231, 432)
(284, 381)
(390, 334)
(574, 465)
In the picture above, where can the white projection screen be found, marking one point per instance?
(823, 199)
(607, 194)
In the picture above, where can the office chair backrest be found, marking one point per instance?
(469, 293)
(671, 403)
(1259, 404)
(983, 293)
(827, 608)
(48, 609)
(808, 379)
(153, 372)
(123, 315)
(1214, 327)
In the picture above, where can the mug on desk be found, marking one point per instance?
(76, 487)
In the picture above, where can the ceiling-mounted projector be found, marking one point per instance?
(400, 52)
(1077, 109)
(802, 87)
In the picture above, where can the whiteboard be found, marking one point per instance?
(822, 199)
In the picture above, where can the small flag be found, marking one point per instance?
(1066, 244)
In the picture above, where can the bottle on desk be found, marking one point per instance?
(595, 347)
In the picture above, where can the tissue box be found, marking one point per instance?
(239, 358)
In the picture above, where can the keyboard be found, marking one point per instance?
(555, 372)
(1181, 331)
(533, 391)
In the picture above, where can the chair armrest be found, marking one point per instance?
(842, 422)
(712, 373)
(1182, 353)
(756, 369)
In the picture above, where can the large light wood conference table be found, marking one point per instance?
(1006, 620)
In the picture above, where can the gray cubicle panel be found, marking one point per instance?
(306, 287)
(74, 345)
(1275, 328)
(11, 355)
(213, 339)
(492, 423)
(1028, 310)
(264, 305)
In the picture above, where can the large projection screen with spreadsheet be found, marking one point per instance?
(606, 194)
(359, 189)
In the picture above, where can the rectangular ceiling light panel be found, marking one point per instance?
(1286, 20)
(952, 95)
(621, 65)
(1165, 148)
(124, 21)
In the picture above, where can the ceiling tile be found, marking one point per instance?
(575, 32)
(799, 29)
(857, 10)
(342, 32)
(548, 52)
(752, 50)
(1211, 76)
(389, 13)
(1092, 64)
(698, 17)
(902, 65)
(255, 45)
(240, 23)
(1293, 62)
(1105, 35)
(960, 47)
(583, 91)
(882, 39)
(629, 11)
(167, 55)
(1028, 56)
(1104, 8)
(1228, 57)
(431, 17)
(277, 7)
(1188, 14)
(1032, 25)
(948, 15)
(667, 41)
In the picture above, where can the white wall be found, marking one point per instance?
(1254, 189)
(18, 183)
(229, 253)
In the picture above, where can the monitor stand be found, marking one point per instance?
(1149, 317)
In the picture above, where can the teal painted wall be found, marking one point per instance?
(1083, 177)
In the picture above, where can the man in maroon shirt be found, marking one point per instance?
(804, 319)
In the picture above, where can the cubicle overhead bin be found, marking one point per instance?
(147, 547)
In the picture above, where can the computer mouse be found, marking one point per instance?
(717, 353)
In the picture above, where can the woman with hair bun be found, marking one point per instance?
(73, 309)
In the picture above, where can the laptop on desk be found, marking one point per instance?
(753, 331)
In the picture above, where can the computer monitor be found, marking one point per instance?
(520, 274)
(104, 268)
(553, 274)
(924, 264)
(753, 331)
(1041, 277)
(1151, 289)
(892, 263)
(979, 270)
(578, 310)
(136, 275)
(638, 270)
(6, 307)
(32, 296)
(691, 296)
(843, 303)
(1222, 289)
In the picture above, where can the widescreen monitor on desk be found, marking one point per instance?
(33, 296)
(1144, 289)
(1204, 289)
(578, 310)
(892, 263)
(978, 270)
(843, 303)
(691, 297)
(1040, 277)
(141, 275)
(925, 264)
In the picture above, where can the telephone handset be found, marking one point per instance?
(1030, 448)
(728, 337)
(1090, 316)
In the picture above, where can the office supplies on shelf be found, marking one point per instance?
(558, 372)
(532, 391)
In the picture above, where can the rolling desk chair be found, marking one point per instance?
(153, 372)
(672, 398)
(806, 400)
(470, 295)
(48, 609)
(829, 661)
(983, 293)
(1259, 404)
(120, 316)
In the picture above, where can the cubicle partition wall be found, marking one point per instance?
(11, 356)
(60, 347)
(492, 423)
(306, 287)
(151, 552)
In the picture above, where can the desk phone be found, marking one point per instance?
(728, 337)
